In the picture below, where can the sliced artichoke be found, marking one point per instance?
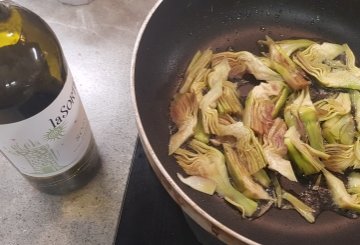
(282, 63)
(290, 46)
(339, 194)
(247, 146)
(327, 64)
(262, 105)
(200, 61)
(207, 162)
(183, 112)
(216, 78)
(275, 150)
(241, 177)
(306, 158)
(341, 157)
(248, 63)
(338, 106)
(339, 129)
(229, 102)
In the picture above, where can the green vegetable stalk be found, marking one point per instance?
(308, 116)
(303, 209)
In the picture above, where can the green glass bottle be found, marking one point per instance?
(44, 130)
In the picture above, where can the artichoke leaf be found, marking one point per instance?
(199, 84)
(291, 113)
(275, 138)
(246, 62)
(237, 68)
(199, 183)
(279, 164)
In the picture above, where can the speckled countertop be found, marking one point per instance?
(97, 41)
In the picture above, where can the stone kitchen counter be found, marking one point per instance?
(97, 41)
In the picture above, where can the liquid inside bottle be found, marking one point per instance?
(44, 128)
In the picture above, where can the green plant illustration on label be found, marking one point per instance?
(55, 133)
(41, 158)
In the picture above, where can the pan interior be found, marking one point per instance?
(178, 29)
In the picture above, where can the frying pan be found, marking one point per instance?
(172, 33)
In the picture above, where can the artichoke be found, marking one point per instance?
(200, 61)
(184, 113)
(263, 104)
(333, 65)
(338, 106)
(282, 63)
(241, 177)
(304, 156)
(216, 79)
(209, 163)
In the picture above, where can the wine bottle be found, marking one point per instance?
(44, 131)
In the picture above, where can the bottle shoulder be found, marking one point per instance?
(32, 70)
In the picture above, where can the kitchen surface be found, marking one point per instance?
(97, 40)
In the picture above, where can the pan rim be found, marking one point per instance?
(199, 215)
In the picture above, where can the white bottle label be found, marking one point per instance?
(53, 140)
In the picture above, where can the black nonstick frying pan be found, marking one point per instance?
(172, 34)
